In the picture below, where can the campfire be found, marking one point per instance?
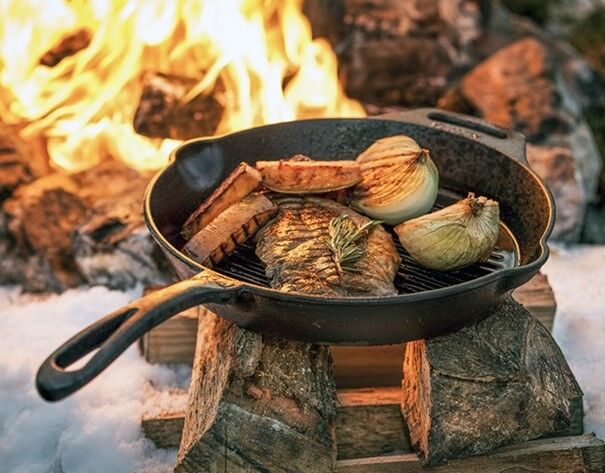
(97, 97)
(95, 76)
(104, 89)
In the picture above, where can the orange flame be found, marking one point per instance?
(84, 106)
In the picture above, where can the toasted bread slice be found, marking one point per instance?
(232, 227)
(233, 189)
(302, 175)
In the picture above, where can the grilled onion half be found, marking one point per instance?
(400, 180)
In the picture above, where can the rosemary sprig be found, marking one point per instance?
(345, 241)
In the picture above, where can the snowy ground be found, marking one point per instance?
(98, 428)
(577, 276)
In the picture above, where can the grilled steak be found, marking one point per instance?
(293, 247)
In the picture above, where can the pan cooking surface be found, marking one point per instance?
(244, 265)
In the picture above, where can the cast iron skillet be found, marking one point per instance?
(471, 155)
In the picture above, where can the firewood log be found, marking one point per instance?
(163, 114)
(257, 404)
(499, 382)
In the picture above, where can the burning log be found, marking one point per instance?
(501, 381)
(20, 161)
(68, 46)
(162, 113)
(256, 402)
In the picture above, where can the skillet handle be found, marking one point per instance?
(508, 142)
(115, 332)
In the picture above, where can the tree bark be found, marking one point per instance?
(257, 404)
(499, 382)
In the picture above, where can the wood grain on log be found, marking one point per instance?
(164, 429)
(371, 434)
(499, 382)
(581, 454)
(537, 297)
(162, 112)
(174, 340)
(257, 403)
(369, 423)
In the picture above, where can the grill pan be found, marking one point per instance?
(471, 155)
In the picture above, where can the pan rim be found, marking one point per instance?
(498, 275)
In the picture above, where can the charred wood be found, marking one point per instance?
(68, 46)
(163, 112)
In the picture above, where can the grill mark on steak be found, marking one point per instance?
(292, 247)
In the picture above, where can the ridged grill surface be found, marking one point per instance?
(244, 265)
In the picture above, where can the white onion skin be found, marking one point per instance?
(454, 237)
(396, 187)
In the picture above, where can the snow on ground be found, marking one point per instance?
(98, 428)
(577, 276)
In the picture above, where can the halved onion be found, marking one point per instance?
(400, 181)
(456, 236)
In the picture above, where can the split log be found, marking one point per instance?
(63, 230)
(499, 382)
(257, 404)
(162, 112)
(538, 298)
(371, 433)
(368, 423)
(582, 454)
(179, 331)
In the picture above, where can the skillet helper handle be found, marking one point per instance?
(508, 142)
(115, 332)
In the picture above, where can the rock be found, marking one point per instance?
(53, 225)
(542, 91)
(163, 111)
(404, 53)
(570, 15)
(556, 166)
(514, 88)
(112, 247)
(594, 226)
(20, 161)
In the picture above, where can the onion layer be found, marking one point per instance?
(400, 180)
(456, 236)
